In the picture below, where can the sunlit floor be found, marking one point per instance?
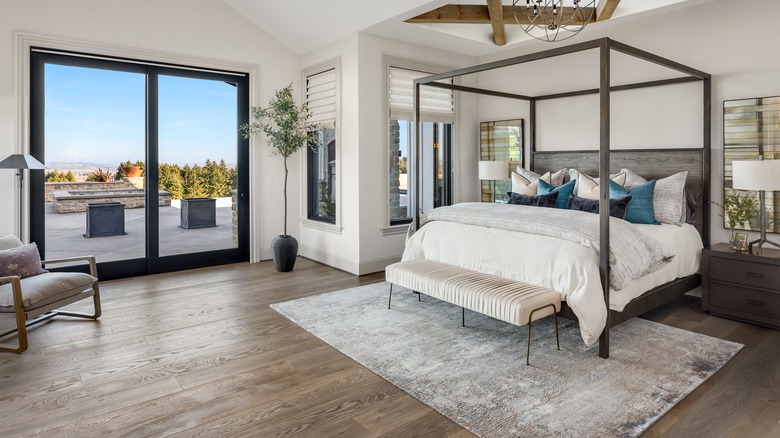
(65, 235)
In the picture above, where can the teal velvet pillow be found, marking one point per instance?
(640, 209)
(563, 191)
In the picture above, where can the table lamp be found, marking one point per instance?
(21, 162)
(493, 170)
(761, 175)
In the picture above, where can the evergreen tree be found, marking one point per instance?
(171, 180)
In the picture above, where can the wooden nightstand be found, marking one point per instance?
(741, 286)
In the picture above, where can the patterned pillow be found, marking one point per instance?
(525, 186)
(588, 187)
(640, 209)
(556, 179)
(669, 201)
(24, 261)
(617, 207)
(547, 200)
(563, 191)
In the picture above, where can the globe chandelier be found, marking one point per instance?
(553, 20)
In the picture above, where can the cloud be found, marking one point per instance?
(64, 109)
(70, 153)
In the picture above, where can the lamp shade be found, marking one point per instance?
(21, 161)
(493, 170)
(756, 175)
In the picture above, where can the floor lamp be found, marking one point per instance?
(761, 175)
(493, 170)
(21, 162)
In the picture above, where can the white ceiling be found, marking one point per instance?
(306, 25)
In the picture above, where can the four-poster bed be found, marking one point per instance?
(651, 163)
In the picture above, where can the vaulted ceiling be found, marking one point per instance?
(470, 27)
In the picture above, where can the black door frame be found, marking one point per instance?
(152, 263)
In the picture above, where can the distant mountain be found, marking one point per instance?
(74, 166)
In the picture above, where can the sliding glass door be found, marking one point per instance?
(145, 167)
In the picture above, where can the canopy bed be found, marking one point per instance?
(650, 163)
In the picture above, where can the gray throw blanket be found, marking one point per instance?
(632, 253)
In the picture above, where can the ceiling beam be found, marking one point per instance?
(479, 14)
(605, 9)
(496, 12)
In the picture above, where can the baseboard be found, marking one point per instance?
(329, 259)
(378, 265)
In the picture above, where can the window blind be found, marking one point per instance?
(321, 96)
(436, 104)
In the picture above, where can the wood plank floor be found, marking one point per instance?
(200, 353)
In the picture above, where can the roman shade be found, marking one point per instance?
(321, 96)
(436, 104)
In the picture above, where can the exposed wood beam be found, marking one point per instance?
(478, 14)
(496, 12)
(605, 9)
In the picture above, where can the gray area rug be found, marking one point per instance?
(477, 375)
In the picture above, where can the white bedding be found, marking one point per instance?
(564, 266)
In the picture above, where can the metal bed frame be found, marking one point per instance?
(605, 46)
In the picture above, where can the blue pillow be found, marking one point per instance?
(564, 191)
(640, 209)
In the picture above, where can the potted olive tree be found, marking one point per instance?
(287, 130)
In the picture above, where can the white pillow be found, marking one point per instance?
(556, 179)
(524, 186)
(668, 197)
(588, 187)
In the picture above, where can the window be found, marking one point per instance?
(321, 158)
(437, 117)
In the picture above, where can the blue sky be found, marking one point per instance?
(98, 116)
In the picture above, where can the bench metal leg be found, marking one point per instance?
(391, 296)
(463, 317)
(530, 319)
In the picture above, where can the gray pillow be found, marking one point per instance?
(10, 241)
(24, 261)
(669, 197)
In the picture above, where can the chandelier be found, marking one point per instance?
(545, 19)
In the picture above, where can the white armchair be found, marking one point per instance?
(34, 299)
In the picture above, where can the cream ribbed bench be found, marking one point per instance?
(510, 301)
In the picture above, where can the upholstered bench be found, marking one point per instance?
(507, 300)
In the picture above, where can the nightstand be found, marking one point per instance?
(741, 286)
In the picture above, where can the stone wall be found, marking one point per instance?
(234, 210)
(65, 202)
(51, 187)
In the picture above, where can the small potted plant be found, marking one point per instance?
(737, 210)
(287, 130)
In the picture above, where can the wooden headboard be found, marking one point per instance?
(649, 163)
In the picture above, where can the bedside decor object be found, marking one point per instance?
(21, 162)
(741, 286)
(740, 242)
(493, 170)
(737, 210)
(761, 175)
(287, 130)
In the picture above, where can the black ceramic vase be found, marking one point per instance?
(285, 250)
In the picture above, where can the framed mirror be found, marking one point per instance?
(500, 141)
(751, 129)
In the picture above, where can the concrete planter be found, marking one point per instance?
(106, 219)
(198, 213)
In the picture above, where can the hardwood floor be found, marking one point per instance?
(200, 353)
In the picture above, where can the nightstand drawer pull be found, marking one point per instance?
(754, 274)
(756, 302)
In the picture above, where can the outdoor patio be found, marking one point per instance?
(65, 235)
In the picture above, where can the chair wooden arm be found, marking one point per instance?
(21, 317)
(90, 259)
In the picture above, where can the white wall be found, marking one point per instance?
(203, 29)
(361, 247)
(735, 48)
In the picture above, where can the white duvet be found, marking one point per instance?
(545, 261)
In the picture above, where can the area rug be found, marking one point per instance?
(477, 375)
